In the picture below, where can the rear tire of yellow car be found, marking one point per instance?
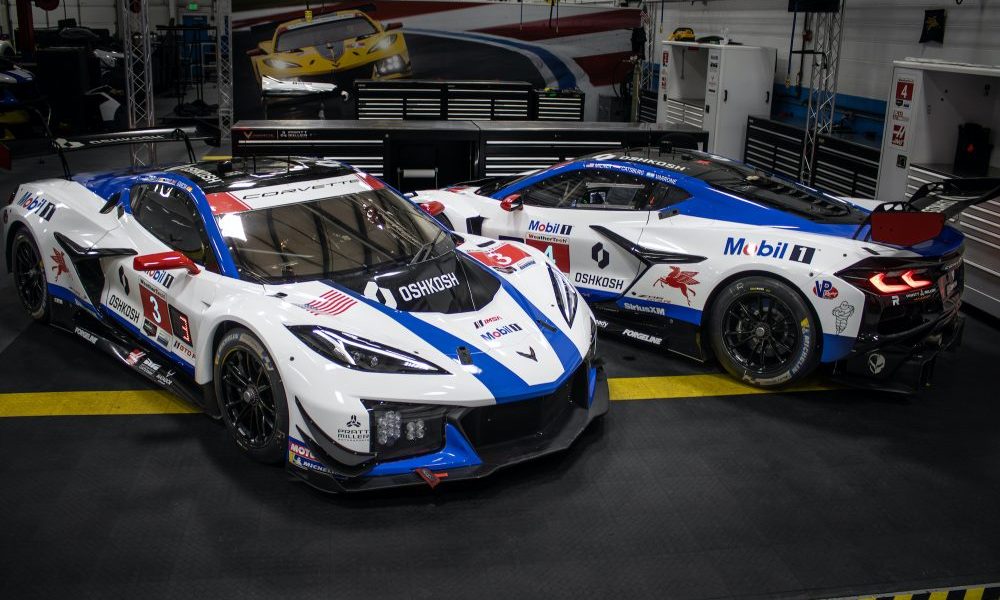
(251, 396)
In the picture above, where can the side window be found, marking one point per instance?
(554, 192)
(170, 215)
(665, 195)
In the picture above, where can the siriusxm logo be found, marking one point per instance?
(779, 250)
(653, 310)
(501, 331)
(555, 228)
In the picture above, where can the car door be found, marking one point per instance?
(153, 294)
(574, 218)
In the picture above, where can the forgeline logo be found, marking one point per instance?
(501, 331)
(653, 310)
(645, 337)
(429, 286)
(779, 250)
(599, 281)
(555, 228)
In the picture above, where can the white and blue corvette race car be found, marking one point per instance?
(329, 322)
(708, 257)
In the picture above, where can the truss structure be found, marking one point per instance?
(828, 29)
(138, 75)
(224, 64)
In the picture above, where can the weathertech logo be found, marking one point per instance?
(554, 228)
(501, 331)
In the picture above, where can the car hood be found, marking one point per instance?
(500, 337)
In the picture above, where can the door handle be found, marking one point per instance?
(725, 95)
(767, 97)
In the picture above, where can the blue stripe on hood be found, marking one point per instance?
(505, 385)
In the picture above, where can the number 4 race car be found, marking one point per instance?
(705, 256)
(331, 324)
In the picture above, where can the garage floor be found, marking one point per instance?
(718, 493)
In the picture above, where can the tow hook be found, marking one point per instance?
(430, 477)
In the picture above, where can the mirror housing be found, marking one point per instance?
(393, 25)
(165, 261)
(512, 203)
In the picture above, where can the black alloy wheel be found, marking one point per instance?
(251, 396)
(29, 275)
(763, 332)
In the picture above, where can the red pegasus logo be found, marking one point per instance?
(681, 280)
(60, 267)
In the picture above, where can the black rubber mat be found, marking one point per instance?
(811, 495)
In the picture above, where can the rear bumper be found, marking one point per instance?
(903, 364)
(474, 431)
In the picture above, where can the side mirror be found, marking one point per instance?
(255, 52)
(393, 25)
(165, 261)
(512, 203)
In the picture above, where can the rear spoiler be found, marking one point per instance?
(161, 135)
(923, 216)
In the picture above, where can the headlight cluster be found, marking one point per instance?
(566, 296)
(383, 44)
(392, 64)
(404, 429)
(361, 354)
(277, 63)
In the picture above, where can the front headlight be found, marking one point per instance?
(277, 63)
(383, 44)
(358, 353)
(566, 296)
(404, 429)
(391, 64)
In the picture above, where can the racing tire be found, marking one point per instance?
(763, 332)
(29, 276)
(251, 396)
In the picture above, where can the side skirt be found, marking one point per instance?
(672, 335)
(133, 354)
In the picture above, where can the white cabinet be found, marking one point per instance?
(715, 88)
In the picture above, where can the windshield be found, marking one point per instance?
(322, 33)
(758, 186)
(339, 238)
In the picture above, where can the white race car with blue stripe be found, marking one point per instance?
(707, 257)
(331, 324)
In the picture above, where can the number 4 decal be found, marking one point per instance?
(558, 253)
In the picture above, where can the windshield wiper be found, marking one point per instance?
(426, 248)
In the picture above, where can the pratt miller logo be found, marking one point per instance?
(352, 431)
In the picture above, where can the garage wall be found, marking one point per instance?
(876, 33)
(99, 14)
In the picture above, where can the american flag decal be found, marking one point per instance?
(331, 303)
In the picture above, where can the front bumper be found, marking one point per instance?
(482, 440)
(903, 364)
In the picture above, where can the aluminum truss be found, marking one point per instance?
(828, 29)
(224, 65)
(138, 75)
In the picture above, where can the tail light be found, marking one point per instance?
(432, 207)
(897, 283)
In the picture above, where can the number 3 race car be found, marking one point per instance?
(329, 322)
(705, 256)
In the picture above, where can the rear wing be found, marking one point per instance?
(62, 145)
(923, 216)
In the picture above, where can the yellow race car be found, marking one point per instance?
(334, 48)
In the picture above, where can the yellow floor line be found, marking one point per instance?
(57, 404)
(156, 402)
(692, 386)
(216, 157)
